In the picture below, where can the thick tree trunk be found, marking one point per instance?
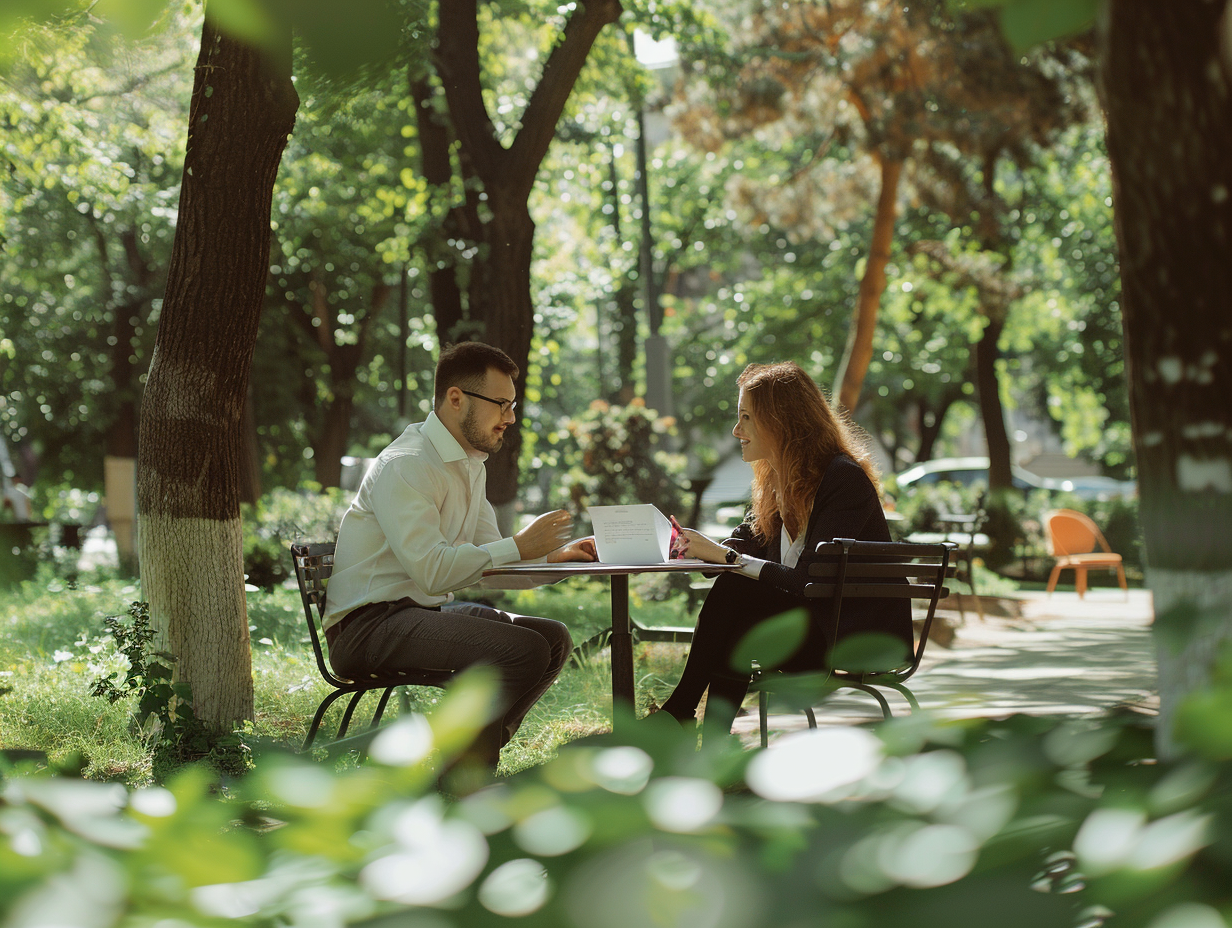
(1168, 102)
(859, 351)
(243, 108)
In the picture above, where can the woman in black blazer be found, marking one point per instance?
(811, 483)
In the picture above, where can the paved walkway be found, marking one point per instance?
(1062, 656)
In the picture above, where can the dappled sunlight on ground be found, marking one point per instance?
(1062, 656)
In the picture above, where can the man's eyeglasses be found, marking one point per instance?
(505, 405)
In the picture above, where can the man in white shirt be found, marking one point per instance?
(420, 527)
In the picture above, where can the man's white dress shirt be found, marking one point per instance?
(420, 526)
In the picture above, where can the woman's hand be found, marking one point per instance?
(581, 549)
(699, 546)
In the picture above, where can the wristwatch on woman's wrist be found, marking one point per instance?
(733, 557)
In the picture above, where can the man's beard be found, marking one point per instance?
(477, 438)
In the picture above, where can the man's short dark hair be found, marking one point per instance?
(466, 364)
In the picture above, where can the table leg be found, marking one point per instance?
(622, 643)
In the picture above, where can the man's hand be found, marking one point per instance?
(581, 550)
(544, 535)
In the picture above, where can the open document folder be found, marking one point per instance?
(637, 534)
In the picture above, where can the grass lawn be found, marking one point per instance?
(53, 645)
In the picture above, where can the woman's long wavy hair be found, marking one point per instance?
(793, 415)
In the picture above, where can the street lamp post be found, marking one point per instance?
(654, 55)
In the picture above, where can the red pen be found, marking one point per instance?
(677, 532)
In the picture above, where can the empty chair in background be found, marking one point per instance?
(1077, 543)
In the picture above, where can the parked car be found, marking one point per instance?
(974, 470)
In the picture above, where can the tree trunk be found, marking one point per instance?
(332, 441)
(1168, 104)
(859, 350)
(250, 462)
(991, 411)
(931, 431)
(318, 323)
(120, 444)
(437, 167)
(501, 285)
(243, 108)
(499, 308)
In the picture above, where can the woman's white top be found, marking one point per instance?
(792, 548)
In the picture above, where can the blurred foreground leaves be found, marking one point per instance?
(1030, 822)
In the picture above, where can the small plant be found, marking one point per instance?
(162, 704)
(163, 712)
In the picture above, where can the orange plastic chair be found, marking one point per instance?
(1073, 539)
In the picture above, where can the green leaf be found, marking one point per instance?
(1030, 22)
(244, 19)
(468, 705)
(771, 642)
(132, 17)
(873, 651)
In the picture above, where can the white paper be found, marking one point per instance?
(631, 534)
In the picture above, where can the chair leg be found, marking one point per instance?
(1053, 578)
(1080, 581)
(380, 707)
(1121, 579)
(763, 713)
(320, 714)
(906, 694)
(350, 711)
(812, 719)
(876, 694)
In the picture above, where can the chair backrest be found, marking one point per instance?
(850, 569)
(1070, 532)
(313, 565)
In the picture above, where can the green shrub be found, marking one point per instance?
(619, 457)
(1022, 823)
(280, 518)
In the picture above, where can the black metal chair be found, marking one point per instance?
(849, 569)
(963, 528)
(313, 565)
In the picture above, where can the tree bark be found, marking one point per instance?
(930, 432)
(1168, 102)
(991, 410)
(499, 308)
(243, 109)
(318, 323)
(440, 256)
(859, 351)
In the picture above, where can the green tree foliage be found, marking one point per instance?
(346, 207)
(92, 154)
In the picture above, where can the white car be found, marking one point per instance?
(974, 470)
